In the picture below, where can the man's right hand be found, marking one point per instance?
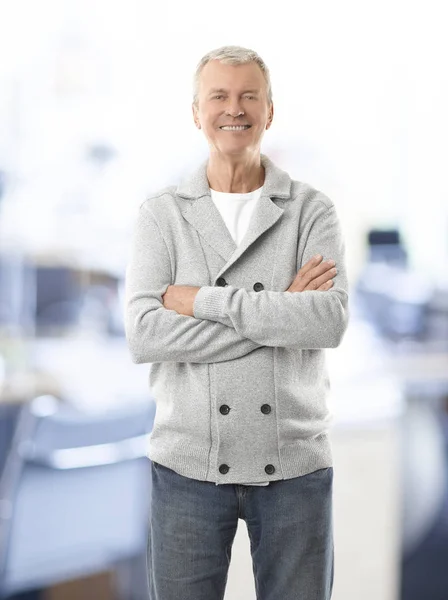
(314, 275)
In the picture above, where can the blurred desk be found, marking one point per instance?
(421, 366)
(94, 373)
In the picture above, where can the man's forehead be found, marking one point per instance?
(223, 82)
(250, 72)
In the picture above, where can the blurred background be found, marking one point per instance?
(95, 114)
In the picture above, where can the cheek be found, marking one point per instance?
(210, 123)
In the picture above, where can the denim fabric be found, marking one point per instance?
(193, 525)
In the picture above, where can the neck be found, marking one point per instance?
(234, 174)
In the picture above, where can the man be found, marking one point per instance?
(226, 298)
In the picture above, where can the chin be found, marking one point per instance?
(236, 148)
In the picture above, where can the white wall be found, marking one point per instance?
(359, 90)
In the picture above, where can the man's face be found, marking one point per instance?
(224, 92)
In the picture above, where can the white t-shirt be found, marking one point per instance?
(236, 211)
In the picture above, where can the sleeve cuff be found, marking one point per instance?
(209, 302)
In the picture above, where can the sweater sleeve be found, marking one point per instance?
(306, 320)
(156, 334)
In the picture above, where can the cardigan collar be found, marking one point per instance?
(204, 216)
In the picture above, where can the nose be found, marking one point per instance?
(234, 109)
(235, 114)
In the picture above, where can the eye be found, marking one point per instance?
(218, 96)
(251, 97)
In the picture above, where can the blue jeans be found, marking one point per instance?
(193, 524)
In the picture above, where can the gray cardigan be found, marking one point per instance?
(241, 387)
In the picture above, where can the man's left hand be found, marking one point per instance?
(180, 298)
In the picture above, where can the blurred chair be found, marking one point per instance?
(74, 497)
(424, 463)
(8, 417)
(425, 493)
(393, 297)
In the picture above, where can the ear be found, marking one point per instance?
(195, 116)
(270, 116)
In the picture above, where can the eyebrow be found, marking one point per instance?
(215, 90)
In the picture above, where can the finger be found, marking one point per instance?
(313, 262)
(321, 273)
(325, 277)
(326, 286)
(314, 267)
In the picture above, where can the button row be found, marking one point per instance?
(224, 409)
(257, 286)
(224, 469)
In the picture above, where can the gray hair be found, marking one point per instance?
(232, 55)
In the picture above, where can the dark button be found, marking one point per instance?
(221, 282)
(268, 468)
(224, 469)
(258, 286)
(224, 409)
(265, 409)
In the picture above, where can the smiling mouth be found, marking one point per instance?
(235, 127)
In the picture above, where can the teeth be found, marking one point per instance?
(235, 127)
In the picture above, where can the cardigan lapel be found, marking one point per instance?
(200, 211)
(207, 220)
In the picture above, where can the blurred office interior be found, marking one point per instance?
(95, 114)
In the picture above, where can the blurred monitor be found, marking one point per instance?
(58, 297)
(385, 245)
(17, 292)
(48, 299)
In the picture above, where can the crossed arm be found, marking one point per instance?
(213, 324)
(156, 332)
